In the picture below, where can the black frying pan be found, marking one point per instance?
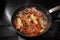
(39, 7)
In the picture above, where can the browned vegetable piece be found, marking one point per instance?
(31, 21)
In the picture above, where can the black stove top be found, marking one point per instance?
(7, 32)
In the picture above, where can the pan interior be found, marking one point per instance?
(33, 7)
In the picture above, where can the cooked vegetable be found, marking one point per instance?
(18, 23)
(33, 18)
(30, 21)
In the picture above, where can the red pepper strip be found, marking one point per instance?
(22, 29)
(29, 31)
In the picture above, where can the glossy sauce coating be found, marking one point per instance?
(30, 21)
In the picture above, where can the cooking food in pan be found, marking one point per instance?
(30, 22)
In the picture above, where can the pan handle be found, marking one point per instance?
(54, 9)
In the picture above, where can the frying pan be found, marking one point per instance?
(40, 8)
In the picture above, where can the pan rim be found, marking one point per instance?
(39, 34)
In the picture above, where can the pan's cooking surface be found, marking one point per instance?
(29, 21)
(8, 34)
